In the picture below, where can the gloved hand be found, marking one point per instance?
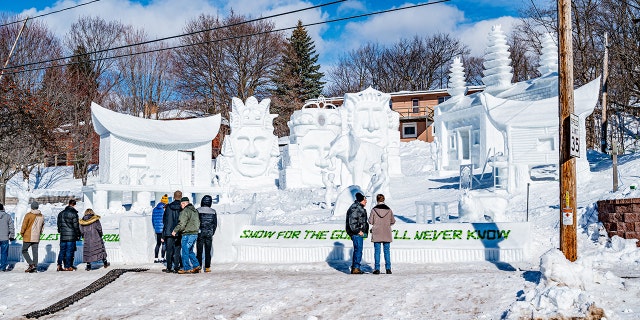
(12, 239)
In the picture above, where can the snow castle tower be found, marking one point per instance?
(457, 84)
(497, 64)
(549, 57)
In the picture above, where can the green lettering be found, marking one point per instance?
(246, 234)
(457, 234)
(447, 235)
(472, 234)
(504, 233)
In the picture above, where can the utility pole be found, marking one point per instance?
(13, 47)
(568, 196)
(604, 125)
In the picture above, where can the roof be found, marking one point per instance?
(538, 113)
(163, 132)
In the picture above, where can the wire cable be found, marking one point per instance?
(210, 41)
(177, 36)
(48, 13)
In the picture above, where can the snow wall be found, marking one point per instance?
(237, 240)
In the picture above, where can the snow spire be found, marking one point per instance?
(457, 84)
(549, 56)
(497, 64)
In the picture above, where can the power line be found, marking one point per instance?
(176, 36)
(216, 40)
(48, 13)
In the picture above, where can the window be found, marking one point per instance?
(415, 106)
(443, 99)
(409, 130)
(390, 104)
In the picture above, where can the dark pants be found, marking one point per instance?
(4, 254)
(204, 242)
(34, 252)
(357, 251)
(67, 251)
(173, 252)
(158, 244)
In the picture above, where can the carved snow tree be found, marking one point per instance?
(297, 78)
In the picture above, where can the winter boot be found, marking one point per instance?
(60, 268)
(376, 272)
(88, 268)
(388, 271)
(356, 271)
(31, 269)
(106, 263)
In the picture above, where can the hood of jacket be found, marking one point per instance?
(89, 219)
(381, 210)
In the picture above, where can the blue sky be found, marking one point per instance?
(468, 20)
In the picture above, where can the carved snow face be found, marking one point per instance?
(252, 150)
(371, 122)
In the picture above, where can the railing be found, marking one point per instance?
(407, 112)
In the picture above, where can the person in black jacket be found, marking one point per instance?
(208, 225)
(69, 230)
(170, 221)
(357, 226)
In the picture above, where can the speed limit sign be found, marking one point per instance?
(574, 137)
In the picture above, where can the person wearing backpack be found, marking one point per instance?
(208, 225)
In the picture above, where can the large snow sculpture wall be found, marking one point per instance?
(250, 153)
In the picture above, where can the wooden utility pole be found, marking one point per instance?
(13, 47)
(568, 196)
(604, 125)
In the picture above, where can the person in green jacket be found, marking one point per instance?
(188, 226)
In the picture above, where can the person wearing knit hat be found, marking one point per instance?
(35, 205)
(357, 227)
(158, 225)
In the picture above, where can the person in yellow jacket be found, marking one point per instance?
(31, 230)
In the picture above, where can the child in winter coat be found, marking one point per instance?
(91, 230)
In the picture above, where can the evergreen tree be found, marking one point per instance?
(297, 77)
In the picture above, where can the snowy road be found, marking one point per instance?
(310, 291)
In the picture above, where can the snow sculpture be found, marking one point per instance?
(250, 152)
(365, 162)
(311, 131)
(549, 57)
(140, 157)
(497, 64)
(475, 206)
(457, 84)
(367, 115)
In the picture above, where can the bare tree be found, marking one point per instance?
(232, 58)
(409, 64)
(146, 83)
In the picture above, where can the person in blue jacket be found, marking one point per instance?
(156, 220)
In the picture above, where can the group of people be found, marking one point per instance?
(71, 229)
(357, 226)
(179, 226)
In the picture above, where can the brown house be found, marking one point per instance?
(416, 111)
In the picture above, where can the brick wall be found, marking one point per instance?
(621, 217)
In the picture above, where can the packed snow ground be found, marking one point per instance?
(606, 274)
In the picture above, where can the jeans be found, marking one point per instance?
(189, 260)
(204, 242)
(67, 251)
(4, 254)
(34, 252)
(387, 255)
(158, 244)
(173, 252)
(357, 251)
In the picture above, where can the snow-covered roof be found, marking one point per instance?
(194, 130)
(538, 113)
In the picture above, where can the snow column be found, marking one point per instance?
(457, 84)
(549, 56)
(497, 64)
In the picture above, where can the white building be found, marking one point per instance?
(141, 159)
(511, 126)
